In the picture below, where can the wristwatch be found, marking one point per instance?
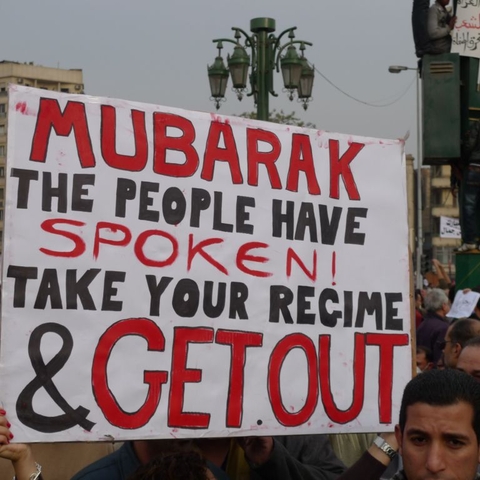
(385, 447)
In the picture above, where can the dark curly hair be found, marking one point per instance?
(173, 466)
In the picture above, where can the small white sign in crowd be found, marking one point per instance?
(450, 227)
(466, 34)
(170, 273)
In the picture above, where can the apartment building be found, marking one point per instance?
(438, 202)
(30, 75)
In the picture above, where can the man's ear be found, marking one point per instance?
(457, 348)
(429, 366)
(398, 436)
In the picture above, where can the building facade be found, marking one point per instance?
(441, 203)
(29, 75)
(437, 201)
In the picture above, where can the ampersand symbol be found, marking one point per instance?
(45, 373)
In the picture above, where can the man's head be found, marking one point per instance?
(424, 358)
(436, 301)
(174, 466)
(469, 359)
(443, 3)
(439, 428)
(457, 335)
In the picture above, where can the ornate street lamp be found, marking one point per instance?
(266, 55)
(305, 86)
(291, 70)
(218, 77)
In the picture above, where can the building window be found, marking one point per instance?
(64, 90)
(1, 215)
(3, 130)
(2, 150)
(2, 172)
(436, 198)
(3, 109)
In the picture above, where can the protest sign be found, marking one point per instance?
(466, 34)
(450, 227)
(464, 304)
(170, 273)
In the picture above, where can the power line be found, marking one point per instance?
(377, 105)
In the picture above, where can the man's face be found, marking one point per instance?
(439, 443)
(469, 362)
(451, 350)
(422, 362)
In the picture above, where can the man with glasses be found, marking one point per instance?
(456, 337)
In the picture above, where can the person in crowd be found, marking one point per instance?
(469, 359)
(60, 461)
(470, 188)
(439, 427)
(424, 359)
(440, 24)
(431, 331)
(19, 454)
(418, 307)
(182, 465)
(457, 335)
(419, 27)
(304, 457)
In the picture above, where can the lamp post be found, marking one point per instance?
(398, 69)
(266, 55)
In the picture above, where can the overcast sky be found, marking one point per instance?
(157, 51)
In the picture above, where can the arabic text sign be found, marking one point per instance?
(173, 273)
(466, 35)
(450, 227)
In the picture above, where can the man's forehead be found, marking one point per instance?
(425, 412)
(469, 356)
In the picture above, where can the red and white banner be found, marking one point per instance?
(169, 273)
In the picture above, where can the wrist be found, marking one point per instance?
(26, 468)
(383, 451)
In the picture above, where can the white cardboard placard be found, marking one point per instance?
(170, 273)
